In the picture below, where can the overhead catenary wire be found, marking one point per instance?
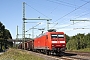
(76, 8)
(53, 9)
(75, 18)
(70, 4)
(69, 25)
(65, 26)
(33, 27)
(77, 28)
(81, 15)
(74, 5)
(65, 4)
(72, 11)
(83, 0)
(38, 18)
(36, 10)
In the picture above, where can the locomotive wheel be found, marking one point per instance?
(49, 52)
(46, 52)
(62, 53)
(57, 53)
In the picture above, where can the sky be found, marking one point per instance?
(60, 11)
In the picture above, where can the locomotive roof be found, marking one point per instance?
(48, 33)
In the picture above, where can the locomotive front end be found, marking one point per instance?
(58, 42)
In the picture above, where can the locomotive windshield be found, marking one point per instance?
(57, 36)
(60, 36)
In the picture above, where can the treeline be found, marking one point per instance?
(79, 41)
(4, 35)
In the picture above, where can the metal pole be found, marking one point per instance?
(17, 36)
(23, 29)
(47, 25)
(23, 33)
(29, 35)
(78, 20)
(17, 32)
(32, 33)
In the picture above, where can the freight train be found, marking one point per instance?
(49, 42)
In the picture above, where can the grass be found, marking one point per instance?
(82, 50)
(15, 54)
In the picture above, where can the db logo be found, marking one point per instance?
(58, 41)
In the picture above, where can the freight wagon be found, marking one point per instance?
(30, 45)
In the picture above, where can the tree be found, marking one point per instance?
(4, 35)
(2, 28)
(87, 38)
(82, 42)
(79, 41)
(72, 45)
(67, 38)
(7, 34)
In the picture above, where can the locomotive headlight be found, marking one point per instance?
(52, 45)
(63, 45)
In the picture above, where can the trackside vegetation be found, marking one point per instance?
(80, 42)
(16, 54)
(83, 50)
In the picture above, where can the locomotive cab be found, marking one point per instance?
(58, 42)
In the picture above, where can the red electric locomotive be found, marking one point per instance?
(50, 42)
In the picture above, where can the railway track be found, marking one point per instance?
(67, 56)
(83, 55)
(1, 53)
(79, 53)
